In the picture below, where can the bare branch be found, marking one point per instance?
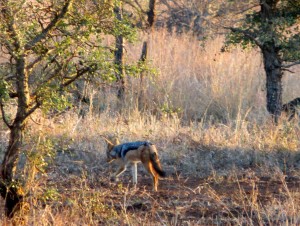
(5, 120)
(138, 4)
(7, 45)
(31, 65)
(9, 77)
(291, 65)
(243, 11)
(166, 4)
(79, 73)
(35, 121)
(137, 7)
(52, 76)
(31, 110)
(285, 69)
(51, 25)
(38, 59)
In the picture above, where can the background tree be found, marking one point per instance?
(273, 26)
(151, 17)
(119, 53)
(47, 45)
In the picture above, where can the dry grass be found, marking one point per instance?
(205, 110)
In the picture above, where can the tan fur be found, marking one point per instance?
(146, 154)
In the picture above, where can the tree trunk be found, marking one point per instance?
(9, 187)
(119, 58)
(151, 13)
(272, 61)
(141, 97)
(274, 74)
(151, 16)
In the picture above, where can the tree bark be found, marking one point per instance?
(272, 61)
(9, 188)
(119, 58)
(141, 97)
(151, 13)
(274, 75)
(151, 16)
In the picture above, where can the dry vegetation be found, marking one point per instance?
(205, 110)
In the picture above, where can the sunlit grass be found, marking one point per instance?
(205, 111)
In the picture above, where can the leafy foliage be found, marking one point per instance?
(46, 46)
(4, 95)
(59, 49)
(280, 29)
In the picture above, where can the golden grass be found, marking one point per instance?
(205, 110)
(205, 82)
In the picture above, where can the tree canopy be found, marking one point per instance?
(55, 42)
(45, 47)
(273, 26)
(275, 22)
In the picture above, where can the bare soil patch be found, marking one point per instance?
(192, 200)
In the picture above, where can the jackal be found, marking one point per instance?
(291, 108)
(130, 154)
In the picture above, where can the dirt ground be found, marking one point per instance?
(182, 200)
(189, 200)
(192, 199)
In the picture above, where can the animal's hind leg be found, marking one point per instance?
(148, 166)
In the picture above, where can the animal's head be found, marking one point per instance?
(110, 152)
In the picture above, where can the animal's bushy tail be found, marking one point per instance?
(156, 164)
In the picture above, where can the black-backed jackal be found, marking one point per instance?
(130, 154)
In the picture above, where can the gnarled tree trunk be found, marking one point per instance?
(8, 187)
(273, 83)
(272, 62)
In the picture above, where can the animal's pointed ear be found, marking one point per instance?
(109, 143)
(116, 141)
(110, 146)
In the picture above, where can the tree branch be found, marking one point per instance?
(138, 7)
(31, 65)
(7, 45)
(11, 32)
(247, 34)
(248, 8)
(51, 25)
(285, 69)
(5, 120)
(36, 106)
(52, 76)
(13, 95)
(291, 65)
(79, 73)
(39, 58)
(9, 77)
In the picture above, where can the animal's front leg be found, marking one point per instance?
(119, 171)
(134, 173)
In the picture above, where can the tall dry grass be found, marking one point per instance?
(205, 110)
(202, 83)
